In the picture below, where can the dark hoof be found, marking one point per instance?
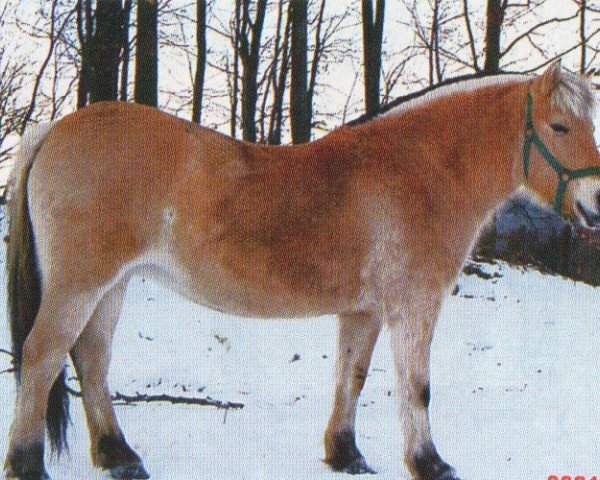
(119, 458)
(344, 456)
(31, 476)
(129, 472)
(358, 466)
(27, 464)
(429, 466)
(448, 475)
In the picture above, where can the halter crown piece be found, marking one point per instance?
(564, 174)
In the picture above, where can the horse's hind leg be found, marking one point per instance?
(61, 318)
(411, 337)
(358, 334)
(91, 356)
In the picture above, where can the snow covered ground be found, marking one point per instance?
(514, 387)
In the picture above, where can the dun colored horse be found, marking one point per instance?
(371, 222)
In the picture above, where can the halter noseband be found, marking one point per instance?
(564, 174)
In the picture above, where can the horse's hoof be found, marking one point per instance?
(26, 463)
(129, 472)
(31, 476)
(358, 466)
(355, 466)
(28, 476)
(448, 476)
(342, 454)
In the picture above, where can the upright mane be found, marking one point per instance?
(453, 88)
(573, 94)
(463, 83)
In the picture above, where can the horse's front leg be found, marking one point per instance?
(411, 335)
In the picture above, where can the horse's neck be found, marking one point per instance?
(469, 143)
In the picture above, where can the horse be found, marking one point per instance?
(371, 222)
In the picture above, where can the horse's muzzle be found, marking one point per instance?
(587, 218)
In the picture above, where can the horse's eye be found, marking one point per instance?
(559, 128)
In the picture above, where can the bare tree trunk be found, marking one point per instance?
(316, 60)
(471, 36)
(299, 110)
(126, 51)
(237, 32)
(250, 43)
(372, 44)
(200, 61)
(582, 36)
(85, 33)
(495, 18)
(105, 51)
(279, 78)
(146, 62)
(435, 40)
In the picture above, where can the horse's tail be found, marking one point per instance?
(24, 281)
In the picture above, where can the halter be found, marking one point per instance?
(564, 174)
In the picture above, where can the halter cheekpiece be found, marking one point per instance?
(564, 174)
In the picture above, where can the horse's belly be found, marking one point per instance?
(211, 285)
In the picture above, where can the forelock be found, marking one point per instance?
(573, 93)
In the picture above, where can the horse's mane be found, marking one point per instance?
(573, 93)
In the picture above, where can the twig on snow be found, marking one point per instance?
(209, 402)
(140, 397)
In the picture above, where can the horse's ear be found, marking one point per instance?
(550, 78)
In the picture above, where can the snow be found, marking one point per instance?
(514, 387)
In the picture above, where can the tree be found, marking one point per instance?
(279, 73)
(372, 45)
(299, 109)
(12, 110)
(146, 54)
(427, 22)
(57, 25)
(105, 51)
(589, 51)
(583, 40)
(85, 32)
(123, 95)
(200, 61)
(495, 18)
(248, 46)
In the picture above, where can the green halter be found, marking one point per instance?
(564, 174)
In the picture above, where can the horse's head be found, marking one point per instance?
(561, 161)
